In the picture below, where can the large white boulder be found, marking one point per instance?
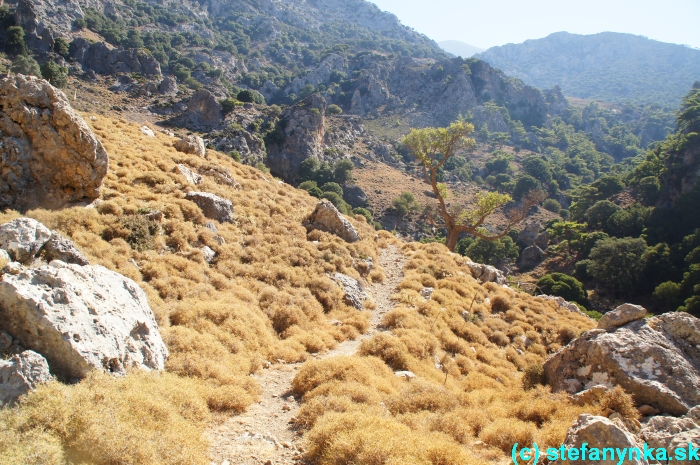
(23, 238)
(81, 318)
(21, 374)
(327, 218)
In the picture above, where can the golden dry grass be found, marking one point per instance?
(469, 346)
(266, 296)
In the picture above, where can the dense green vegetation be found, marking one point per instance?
(609, 66)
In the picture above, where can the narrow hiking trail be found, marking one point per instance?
(263, 435)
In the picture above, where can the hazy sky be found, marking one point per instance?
(486, 23)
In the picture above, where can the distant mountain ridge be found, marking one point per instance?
(460, 49)
(608, 66)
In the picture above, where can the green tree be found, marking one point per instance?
(246, 96)
(552, 205)
(598, 214)
(618, 264)
(524, 185)
(334, 109)
(61, 46)
(133, 39)
(432, 147)
(563, 285)
(332, 187)
(15, 40)
(308, 168)
(24, 64)
(489, 251)
(342, 171)
(55, 74)
(323, 174)
(308, 185)
(227, 105)
(405, 203)
(538, 169)
(668, 296)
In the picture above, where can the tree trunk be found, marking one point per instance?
(452, 238)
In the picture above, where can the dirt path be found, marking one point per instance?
(263, 434)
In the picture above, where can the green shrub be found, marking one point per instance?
(15, 40)
(227, 105)
(364, 212)
(668, 295)
(334, 109)
(308, 185)
(338, 201)
(316, 192)
(552, 205)
(236, 155)
(262, 167)
(54, 73)
(563, 285)
(489, 252)
(24, 64)
(564, 213)
(60, 46)
(405, 203)
(332, 187)
(342, 171)
(618, 264)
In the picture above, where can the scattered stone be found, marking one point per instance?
(211, 227)
(407, 375)
(49, 157)
(191, 144)
(669, 433)
(81, 318)
(622, 315)
(327, 218)
(23, 238)
(589, 396)
(598, 432)
(527, 236)
(354, 195)
(21, 374)
(191, 176)
(209, 254)
(145, 130)
(354, 295)
(486, 273)
(220, 240)
(647, 411)
(222, 178)
(427, 292)
(203, 111)
(654, 360)
(60, 248)
(213, 206)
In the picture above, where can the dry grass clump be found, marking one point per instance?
(477, 352)
(619, 401)
(265, 296)
(141, 418)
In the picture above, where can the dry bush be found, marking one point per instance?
(389, 348)
(367, 371)
(619, 401)
(533, 376)
(141, 418)
(500, 303)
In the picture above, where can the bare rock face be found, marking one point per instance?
(354, 295)
(103, 60)
(203, 111)
(168, 86)
(656, 360)
(669, 433)
(598, 433)
(486, 273)
(191, 176)
(60, 248)
(191, 144)
(213, 206)
(48, 155)
(81, 318)
(303, 138)
(21, 374)
(23, 238)
(327, 218)
(531, 257)
(622, 315)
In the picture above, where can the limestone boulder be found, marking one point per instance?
(168, 86)
(213, 206)
(656, 360)
(327, 218)
(622, 315)
(21, 374)
(49, 157)
(23, 238)
(354, 294)
(486, 273)
(597, 433)
(189, 175)
(669, 433)
(60, 248)
(303, 136)
(98, 57)
(531, 257)
(81, 318)
(192, 145)
(203, 111)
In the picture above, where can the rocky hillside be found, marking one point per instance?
(610, 67)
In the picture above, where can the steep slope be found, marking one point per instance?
(607, 66)
(460, 49)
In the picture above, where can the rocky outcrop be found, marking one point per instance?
(21, 374)
(81, 318)
(191, 144)
(303, 134)
(531, 235)
(99, 58)
(168, 86)
(189, 175)
(327, 218)
(530, 257)
(49, 157)
(203, 111)
(485, 273)
(656, 360)
(60, 248)
(354, 294)
(213, 206)
(23, 238)
(669, 433)
(622, 315)
(354, 195)
(597, 433)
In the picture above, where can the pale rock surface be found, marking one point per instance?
(23, 238)
(622, 315)
(49, 157)
(213, 206)
(21, 374)
(168, 86)
(146, 131)
(531, 257)
(327, 218)
(203, 111)
(599, 432)
(191, 144)
(189, 175)
(668, 433)
(655, 360)
(486, 273)
(209, 254)
(589, 396)
(81, 318)
(354, 294)
(60, 248)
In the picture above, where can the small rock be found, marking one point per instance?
(209, 254)
(23, 238)
(589, 396)
(622, 315)
(220, 240)
(191, 144)
(191, 176)
(154, 215)
(354, 295)
(327, 218)
(5, 341)
(145, 130)
(427, 292)
(211, 227)
(647, 410)
(213, 206)
(13, 268)
(335, 323)
(21, 374)
(407, 375)
(599, 432)
(60, 248)
(286, 408)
